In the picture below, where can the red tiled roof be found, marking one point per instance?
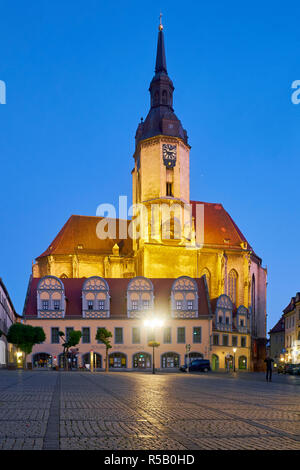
(292, 303)
(219, 226)
(219, 229)
(279, 327)
(80, 230)
(118, 292)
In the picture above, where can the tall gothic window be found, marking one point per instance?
(232, 285)
(139, 296)
(95, 298)
(253, 312)
(164, 97)
(206, 272)
(184, 298)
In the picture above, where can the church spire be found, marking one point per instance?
(161, 119)
(161, 63)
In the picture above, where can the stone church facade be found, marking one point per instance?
(188, 260)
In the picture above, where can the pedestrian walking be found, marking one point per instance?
(268, 362)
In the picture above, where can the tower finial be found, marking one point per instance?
(160, 28)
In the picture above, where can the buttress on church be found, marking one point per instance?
(206, 286)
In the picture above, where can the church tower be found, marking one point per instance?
(161, 182)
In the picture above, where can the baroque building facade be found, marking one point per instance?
(8, 316)
(170, 238)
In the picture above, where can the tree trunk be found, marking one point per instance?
(106, 364)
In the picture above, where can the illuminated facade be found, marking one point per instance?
(277, 342)
(291, 315)
(170, 237)
(8, 316)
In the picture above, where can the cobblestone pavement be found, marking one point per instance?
(118, 411)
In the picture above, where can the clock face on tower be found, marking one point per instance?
(169, 155)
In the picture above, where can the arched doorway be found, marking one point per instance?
(141, 360)
(117, 360)
(242, 363)
(170, 360)
(215, 362)
(86, 360)
(41, 360)
(229, 362)
(71, 358)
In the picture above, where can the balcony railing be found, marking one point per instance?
(243, 329)
(223, 327)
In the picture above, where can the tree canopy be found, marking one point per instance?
(103, 335)
(25, 337)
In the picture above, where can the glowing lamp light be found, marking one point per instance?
(153, 322)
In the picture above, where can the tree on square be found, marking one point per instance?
(24, 337)
(70, 342)
(103, 335)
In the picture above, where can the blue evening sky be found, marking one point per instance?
(77, 76)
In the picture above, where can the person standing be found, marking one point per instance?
(268, 362)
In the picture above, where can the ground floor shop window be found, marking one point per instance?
(170, 360)
(192, 356)
(69, 361)
(42, 360)
(86, 360)
(141, 361)
(117, 360)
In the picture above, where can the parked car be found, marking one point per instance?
(293, 369)
(282, 368)
(201, 365)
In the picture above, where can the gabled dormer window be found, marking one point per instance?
(184, 298)
(139, 296)
(50, 298)
(95, 298)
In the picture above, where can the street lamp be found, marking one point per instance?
(234, 351)
(152, 323)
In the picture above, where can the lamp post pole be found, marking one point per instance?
(234, 351)
(153, 322)
(153, 365)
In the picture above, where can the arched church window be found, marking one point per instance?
(95, 298)
(50, 298)
(253, 309)
(156, 98)
(184, 298)
(206, 273)
(139, 297)
(164, 97)
(232, 285)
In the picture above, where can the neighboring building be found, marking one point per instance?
(8, 316)
(231, 339)
(207, 242)
(277, 341)
(291, 316)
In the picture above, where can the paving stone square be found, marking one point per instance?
(136, 411)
